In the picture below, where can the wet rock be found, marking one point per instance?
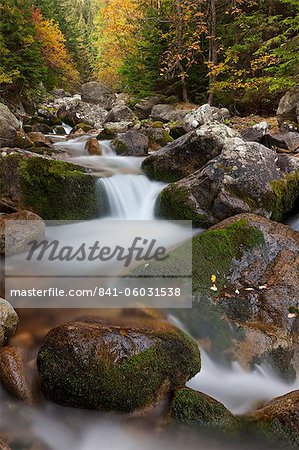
(52, 189)
(247, 318)
(187, 154)
(245, 178)
(120, 113)
(94, 147)
(158, 136)
(288, 142)
(168, 113)
(115, 366)
(8, 127)
(280, 418)
(97, 94)
(8, 321)
(23, 227)
(22, 140)
(205, 114)
(249, 252)
(12, 374)
(39, 140)
(195, 408)
(145, 106)
(287, 107)
(131, 143)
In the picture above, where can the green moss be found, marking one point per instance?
(104, 383)
(83, 126)
(120, 147)
(273, 431)
(174, 204)
(215, 250)
(56, 190)
(157, 124)
(286, 192)
(192, 407)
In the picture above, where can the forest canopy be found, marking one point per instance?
(240, 53)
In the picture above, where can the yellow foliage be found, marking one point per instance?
(53, 49)
(115, 27)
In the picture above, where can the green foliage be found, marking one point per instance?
(21, 61)
(260, 58)
(141, 68)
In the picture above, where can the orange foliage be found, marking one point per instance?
(53, 49)
(115, 30)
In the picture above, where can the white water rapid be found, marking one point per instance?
(131, 196)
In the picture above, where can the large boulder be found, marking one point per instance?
(280, 418)
(287, 108)
(131, 143)
(195, 408)
(52, 189)
(118, 366)
(97, 94)
(76, 111)
(245, 178)
(8, 321)
(8, 127)
(246, 315)
(205, 114)
(168, 113)
(144, 107)
(24, 227)
(120, 113)
(188, 153)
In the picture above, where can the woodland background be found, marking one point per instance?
(237, 53)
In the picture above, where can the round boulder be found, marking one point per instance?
(8, 321)
(123, 366)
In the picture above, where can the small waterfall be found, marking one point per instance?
(130, 196)
(67, 128)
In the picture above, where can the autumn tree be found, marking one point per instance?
(61, 68)
(21, 64)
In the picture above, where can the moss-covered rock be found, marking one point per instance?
(195, 408)
(115, 366)
(245, 178)
(131, 143)
(256, 264)
(55, 190)
(279, 419)
(188, 153)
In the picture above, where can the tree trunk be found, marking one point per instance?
(179, 38)
(212, 46)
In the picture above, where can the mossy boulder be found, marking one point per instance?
(245, 178)
(131, 143)
(195, 408)
(279, 419)
(115, 366)
(256, 262)
(55, 190)
(188, 153)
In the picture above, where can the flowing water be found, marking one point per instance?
(131, 196)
